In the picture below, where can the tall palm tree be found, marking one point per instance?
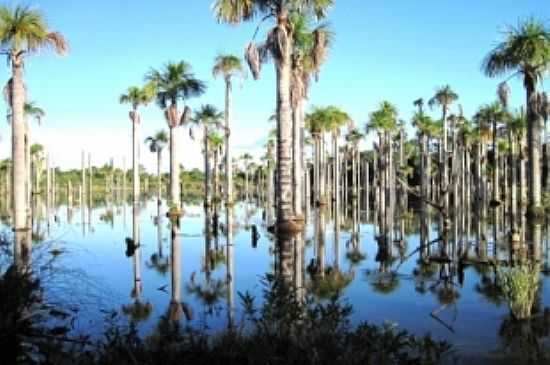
(492, 114)
(136, 97)
(278, 46)
(427, 129)
(525, 51)
(175, 82)
(317, 123)
(228, 66)
(336, 119)
(309, 52)
(216, 141)
(31, 110)
(384, 122)
(246, 158)
(207, 117)
(444, 97)
(156, 144)
(23, 31)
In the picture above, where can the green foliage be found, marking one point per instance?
(519, 287)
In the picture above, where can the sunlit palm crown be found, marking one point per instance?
(208, 115)
(137, 96)
(157, 142)
(425, 124)
(23, 29)
(354, 136)
(486, 115)
(384, 118)
(525, 49)
(215, 139)
(310, 46)
(236, 11)
(444, 97)
(175, 81)
(324, 119)
(228, 65)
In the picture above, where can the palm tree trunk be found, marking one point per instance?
(174, 170)
(336, 177)
(523, 176)
(230, 267)
(534, 122)
(18, 153)
(207, 195)
(513, 182)
(216, 176)
(175, 258)
(496, 196)
(159, 176)
(284, 126)
(228, 160)
(297, 171)
(444, 161)
(135, 158)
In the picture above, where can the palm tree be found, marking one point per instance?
(384, 122)
(207, 116)
(427, 129)
(175, 82)
(228, 66)
(336, 119)
(278, 45)
(309, 52)
(156, 145)
(216, 141)
(31, 110)
(136, 97)
(444, 97)
(317, 123)
(525, 51)
(491, 115)
(247, 159)
(23, 31)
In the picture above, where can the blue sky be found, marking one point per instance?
(398, 51)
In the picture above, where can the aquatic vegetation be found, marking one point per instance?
(520, 286)
(331, 284)
(138, 311)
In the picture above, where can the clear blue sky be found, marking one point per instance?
(398, 51)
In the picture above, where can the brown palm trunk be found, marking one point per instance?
(284, 126)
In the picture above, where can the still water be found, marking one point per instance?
(415, 289)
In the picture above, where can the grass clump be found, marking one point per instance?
(520, 286)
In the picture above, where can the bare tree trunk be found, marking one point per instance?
(19, 173)
(534, 123)
(207, 192)
(228, 160)
(284, 129)
(175, 192)
(297, 171)
(135, 158)
(159, 176)
(496, 195)
(336, 177)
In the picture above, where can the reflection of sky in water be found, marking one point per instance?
(100, 253)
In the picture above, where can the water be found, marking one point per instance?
(449, 300)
